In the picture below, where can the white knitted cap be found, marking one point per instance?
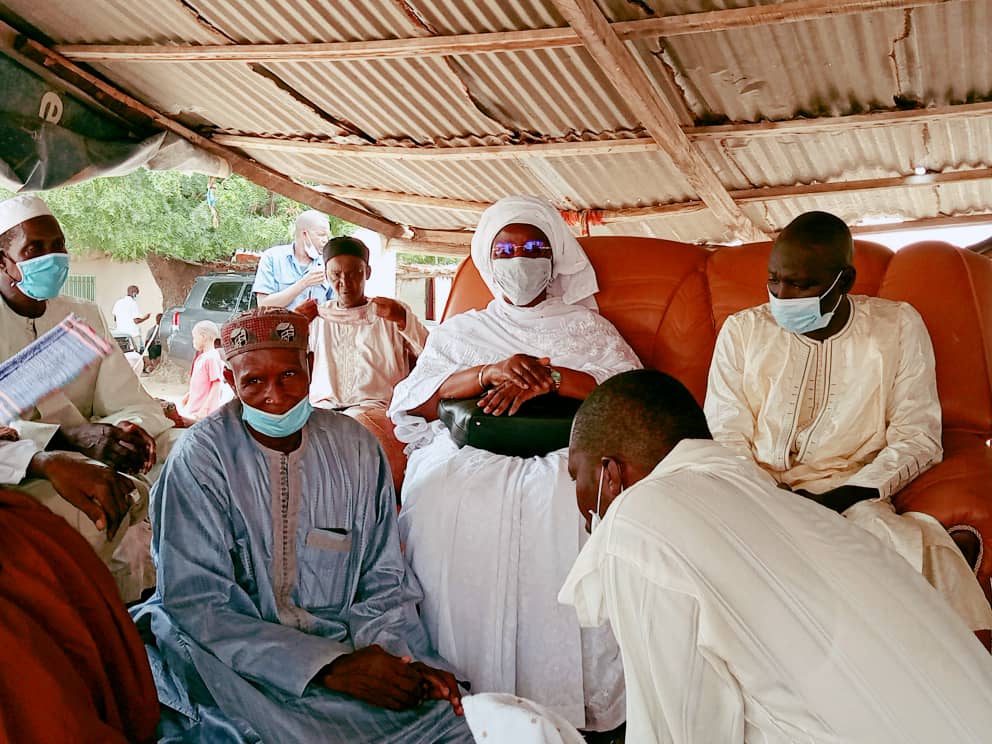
(19, 209)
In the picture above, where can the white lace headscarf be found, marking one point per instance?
(572, 276)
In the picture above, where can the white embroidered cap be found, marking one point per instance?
(20, 209)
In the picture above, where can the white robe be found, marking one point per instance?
(492, 537)
(746, 615)
(859, 408)
(359, 356)
(106, 393)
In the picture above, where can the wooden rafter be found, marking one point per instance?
(851, 122)
(606, 216)
(132, 109)
(457, 243)
(495, 152)
(656, 114)
(618, 145)
(769, 193)
(790, 11)
(634, 214)
(926, 223)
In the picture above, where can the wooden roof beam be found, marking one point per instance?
(656, 114)
(634, 214)
(926, 223)
(458, 244)
(494, 152)
(618, 145)
(132, 109)
(606, 216)
(790, 11)
(768, 193)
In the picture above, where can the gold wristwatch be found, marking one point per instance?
(555, 378)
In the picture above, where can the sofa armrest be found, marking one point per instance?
(377, 422)
(958, 491)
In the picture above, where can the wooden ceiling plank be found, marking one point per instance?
(790, 11)
(634, 214)
(747, 196)
(926, 223)
(495, 152)
(623, 214)
(618, 145)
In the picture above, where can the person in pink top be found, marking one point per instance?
(206, 381)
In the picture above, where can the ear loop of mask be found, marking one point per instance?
(595, 518)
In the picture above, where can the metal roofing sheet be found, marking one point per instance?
(225, 95)
(114, 21)
(934, 55)
(288, 21)
(869, 152)
(831, 66)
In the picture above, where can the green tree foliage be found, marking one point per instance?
(417, 258)
(166, 212)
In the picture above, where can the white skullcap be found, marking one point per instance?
(20, 209)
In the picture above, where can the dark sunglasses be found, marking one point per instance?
(505, 249)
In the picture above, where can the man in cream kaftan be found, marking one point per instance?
(362, 346)
(491, 537)
(96, 404)
(856, 409)
(745, 614)
(360, 356)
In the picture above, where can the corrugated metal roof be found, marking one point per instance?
(880, 152)
(930, 56)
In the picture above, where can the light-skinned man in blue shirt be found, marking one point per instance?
(289, 275)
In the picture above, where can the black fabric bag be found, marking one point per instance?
(542, 425)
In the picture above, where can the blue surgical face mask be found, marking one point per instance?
(277, 424)
(802, 314)
(42, 277)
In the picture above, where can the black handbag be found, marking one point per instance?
(542, 425)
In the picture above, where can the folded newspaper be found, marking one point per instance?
(48, 364)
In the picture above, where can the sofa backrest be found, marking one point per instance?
(669, 299)
(952, 289)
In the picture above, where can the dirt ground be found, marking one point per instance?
(168, 382)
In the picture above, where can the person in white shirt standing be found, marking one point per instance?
(128, 317)
(746, 615)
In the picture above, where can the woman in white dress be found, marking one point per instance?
(492, 537)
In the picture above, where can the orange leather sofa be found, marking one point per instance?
(669, 300)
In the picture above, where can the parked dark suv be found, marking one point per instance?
(215, 297)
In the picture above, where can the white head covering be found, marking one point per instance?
(572, 276)
(20, 209)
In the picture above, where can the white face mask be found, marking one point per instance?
(595, 518)
(521, 279)
(309, 248)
